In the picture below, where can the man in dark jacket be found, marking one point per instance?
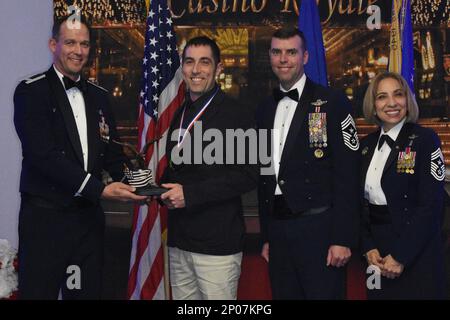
(205, 223)
(308, 201)
(66, 127)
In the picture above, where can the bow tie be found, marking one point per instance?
(385, 138)
(69, 84)
(278, 94)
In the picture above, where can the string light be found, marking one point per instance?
(424, 13)
(105, 11)
(430, 12)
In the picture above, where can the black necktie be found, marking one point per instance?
(387, 139)
(69, 84)
(278, 94)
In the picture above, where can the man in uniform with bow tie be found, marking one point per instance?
(66, 127)
(308, 197)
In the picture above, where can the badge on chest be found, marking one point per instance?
(103, 127)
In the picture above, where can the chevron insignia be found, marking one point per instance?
(349, 133)
(438, 165)
(139, 178)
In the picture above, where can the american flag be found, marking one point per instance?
(162, 93)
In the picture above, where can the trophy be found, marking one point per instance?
(139, 176)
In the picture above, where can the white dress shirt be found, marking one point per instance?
(283, 118)
(78, 106)
(372, 189)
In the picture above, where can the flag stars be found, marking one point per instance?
(160, 54)
(153, 56)
(155, 70)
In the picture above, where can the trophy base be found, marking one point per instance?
(150, 191)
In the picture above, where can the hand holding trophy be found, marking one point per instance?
(139, 176)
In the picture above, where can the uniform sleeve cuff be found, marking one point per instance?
(78, 194)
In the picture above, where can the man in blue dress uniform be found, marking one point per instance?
(66, 129)
(308, 201)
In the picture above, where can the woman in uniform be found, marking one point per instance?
(403, 175)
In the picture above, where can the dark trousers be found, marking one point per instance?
(298, 251)
(50, 241)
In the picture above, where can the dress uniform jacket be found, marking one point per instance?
(58, 227)
(415, 204)
(309, 178)
(52, 165)
(212, 222)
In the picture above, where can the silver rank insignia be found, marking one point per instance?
(349, 133)
(104, 128)
(406, 161)
(438, 165)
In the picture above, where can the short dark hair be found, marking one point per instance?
(59, 21)
(289, 32)
(204, 41)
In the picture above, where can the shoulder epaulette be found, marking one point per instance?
(96, 85)
(34, 78)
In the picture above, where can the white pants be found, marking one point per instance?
(195, 276)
